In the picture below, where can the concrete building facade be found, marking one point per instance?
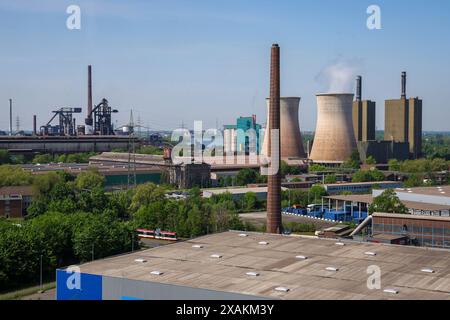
(403, 121)
(364, 113)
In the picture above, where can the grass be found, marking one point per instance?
(15, 295)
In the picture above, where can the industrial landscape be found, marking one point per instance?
(254, 209)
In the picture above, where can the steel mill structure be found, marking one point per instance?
(274, 178)
(290, 136)
(334, 138)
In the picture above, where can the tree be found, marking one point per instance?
(330, 178)
(387, 202)
(353, 161)
(370, 160)
(5, 157)
(101, 236)
(286, 169)
(90, 179)
(316, 168)
(317, 192)
(250, 201)
(246, 176)
(414, 180)
(43, 158)
(14, 176)
(145, 194)
(394, 165)
(368, 176)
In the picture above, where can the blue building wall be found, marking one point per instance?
(96, 287)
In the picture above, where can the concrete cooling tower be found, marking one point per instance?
(291, 138)
(334, 139)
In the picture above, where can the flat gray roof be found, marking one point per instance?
(277, 265)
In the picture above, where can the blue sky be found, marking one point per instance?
(186, 60)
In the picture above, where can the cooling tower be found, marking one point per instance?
(291, 138)
(334, 138)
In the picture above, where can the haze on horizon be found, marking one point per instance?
(182, 60)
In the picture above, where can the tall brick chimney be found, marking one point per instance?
(274, 179)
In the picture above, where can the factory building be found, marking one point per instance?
(383, 151)
(403, 121)
(247, 266)
(334, 138)
(290, 135)
(242, 138)
(363, 115)
(424, 231)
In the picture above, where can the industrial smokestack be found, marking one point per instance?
(10, 117)
(34, 126)
(403, 85)
(274, 178)
(358, 88)
(89, 121)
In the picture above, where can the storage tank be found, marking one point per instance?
(334, 139)
(290, 135)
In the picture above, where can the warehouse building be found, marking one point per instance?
(424, 231)
(239, 266)
(359, 187)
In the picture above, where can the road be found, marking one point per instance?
(259, 218)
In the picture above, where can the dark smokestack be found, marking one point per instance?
(358, 88)
(274, 180)
(89, 108)
(10, 117)
(34, 126)
(403, 85)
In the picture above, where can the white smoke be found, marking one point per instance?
(339, 76)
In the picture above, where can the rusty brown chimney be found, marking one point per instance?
(274, 179)
(89, 121)
(34, 126)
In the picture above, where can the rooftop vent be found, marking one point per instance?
(370, 253)
(334, 269)
(263, 243)
(391, 291)
(301, 257)
(140, 260)
(252, 274)
(198, 246)
(427, 270)
(157, 273)
(216, 256)
(282, 289)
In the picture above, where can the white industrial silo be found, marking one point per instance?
(334, 139)
(290, 136)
